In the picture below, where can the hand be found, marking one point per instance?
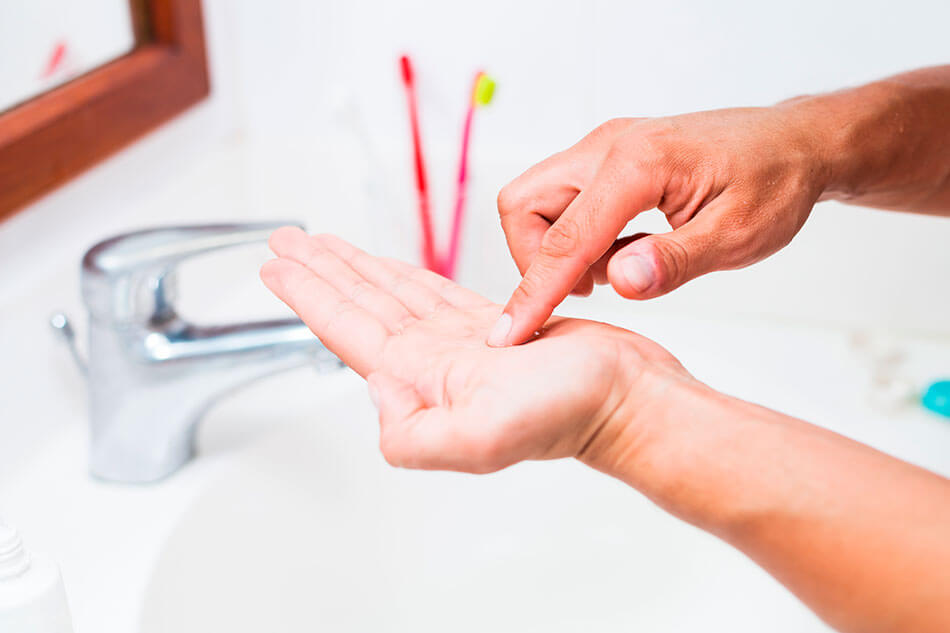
(792, 496)
(735, 185)
(446, 399)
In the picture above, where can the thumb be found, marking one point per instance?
(656, 264)
(396, 400)
(413, 434)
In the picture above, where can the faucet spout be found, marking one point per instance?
(224, 357)
(153, 375)
(148, 394)
(183, 341)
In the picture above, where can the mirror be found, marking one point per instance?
(45, 43)
(81, 79)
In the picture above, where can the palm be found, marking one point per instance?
(455, 403)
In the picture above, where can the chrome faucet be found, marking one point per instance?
(151, 375)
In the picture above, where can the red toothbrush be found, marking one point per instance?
(429, 258)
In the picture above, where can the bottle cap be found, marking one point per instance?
(13, 558)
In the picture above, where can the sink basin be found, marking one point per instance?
(290, 520)
(314, 531)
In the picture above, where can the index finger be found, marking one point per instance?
(583, 233)
(531, 202)
(348, 330)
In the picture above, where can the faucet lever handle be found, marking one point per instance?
(126, 277)
(166, 246)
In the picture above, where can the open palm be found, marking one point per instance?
(446, 399)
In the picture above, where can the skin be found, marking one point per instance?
(735, 185)
(451, 401)
(792, 496)
(859, 536)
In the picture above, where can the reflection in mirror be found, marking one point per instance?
(44, 43)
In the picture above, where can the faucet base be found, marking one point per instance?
(135, 461)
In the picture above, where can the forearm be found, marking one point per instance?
(885, 144)
(860, 537)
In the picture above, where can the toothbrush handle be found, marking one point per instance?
(429, 259)
(451, 260)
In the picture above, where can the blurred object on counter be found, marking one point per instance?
(891, 388)
(32, 596)
(937, 398)
(888, 389)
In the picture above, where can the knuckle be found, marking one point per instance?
(562, 239)
(676, 263)
(531, 291)
(524, 292)
(631, 153)
(613, 126)
(622, 151)
(649, 145)
(737, 248)
(511, 198)
(318, 254)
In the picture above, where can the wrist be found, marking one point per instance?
(681, 444)
(645, 422)
(820, 126)
(854, 135)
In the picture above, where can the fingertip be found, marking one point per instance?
(267, 270)
(531, 304)
(523, 316)
(281, 237)
(270, 273)
(500, 332)
(511, 329)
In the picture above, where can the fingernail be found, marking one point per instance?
(373, 394)
(499, 332)
(638, 271)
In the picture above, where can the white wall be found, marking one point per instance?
(274, 140)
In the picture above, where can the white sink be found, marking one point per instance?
(314, 531)
(290, 520)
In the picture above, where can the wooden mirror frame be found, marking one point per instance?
(51, 138)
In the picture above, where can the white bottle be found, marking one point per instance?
(32, 597)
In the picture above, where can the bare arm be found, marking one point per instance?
(887, 144)
(860, 537)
